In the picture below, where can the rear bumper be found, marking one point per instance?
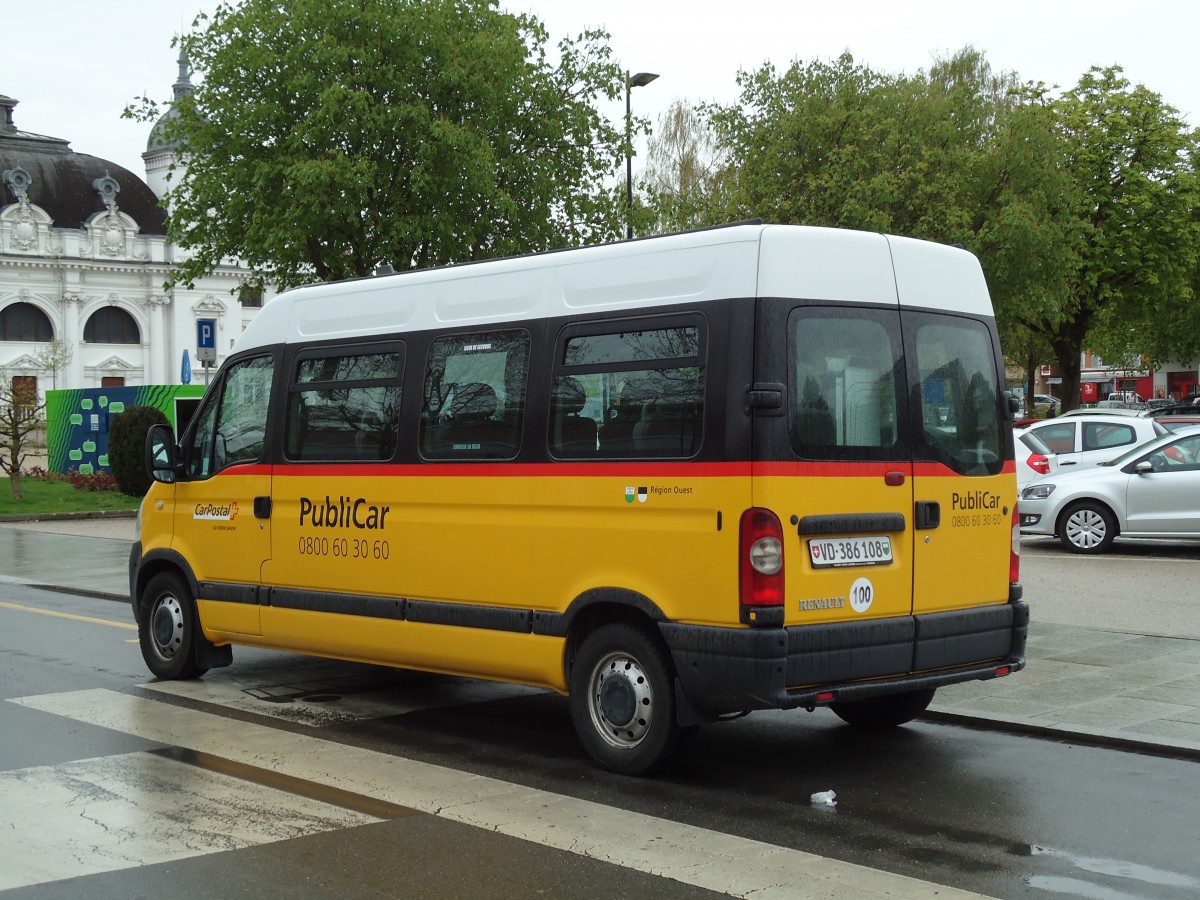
(726, 670)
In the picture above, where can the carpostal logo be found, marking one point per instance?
(636, 493)
(216, 511)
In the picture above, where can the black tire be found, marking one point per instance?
(168, 628)
(888, 711)
(1087, 527)
(623, 700)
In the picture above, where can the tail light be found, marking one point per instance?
(1014, 559)
(760, 568)
(1039, 463)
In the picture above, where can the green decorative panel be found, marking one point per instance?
(78, 420)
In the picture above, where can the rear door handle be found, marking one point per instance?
(262, 507)
(928, 514)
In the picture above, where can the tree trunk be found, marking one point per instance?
(1067, 354)
(1030, 382)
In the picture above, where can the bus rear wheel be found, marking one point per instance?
(623, 700)
(168, 628)
(888, 711)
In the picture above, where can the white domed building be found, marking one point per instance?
(84, 255)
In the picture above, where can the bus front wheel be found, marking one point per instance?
(168, 628)
(623, 700)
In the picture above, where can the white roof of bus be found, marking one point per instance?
(721, 263)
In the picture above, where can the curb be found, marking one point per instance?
(1100, 739)
(65, 517)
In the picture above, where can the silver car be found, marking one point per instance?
(1151, 491)
(1083, 441)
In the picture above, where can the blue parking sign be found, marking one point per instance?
(206, 340)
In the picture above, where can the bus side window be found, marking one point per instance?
(642, 391)
(572, 432)
(344, 406)
(475, 386)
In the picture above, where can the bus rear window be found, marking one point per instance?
(843, 369)
(957, 412)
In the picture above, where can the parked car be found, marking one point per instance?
(1151, 491)
(1178, 423)
(1103, 411)
(1087, 439)
(1177, 415)
(1040, 400)
(1034, 458)
(1160, 403)
(1133, 398)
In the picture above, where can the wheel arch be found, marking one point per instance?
(156, 562)
(602, 606)
(1083, 501)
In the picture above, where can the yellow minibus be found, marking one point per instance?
(675, 479)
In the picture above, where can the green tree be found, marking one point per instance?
(328, 137)
(841, 145)
(1117, 230)
(55, 356)
(21, 417)
(685, 175)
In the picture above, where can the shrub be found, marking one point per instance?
(96, 481)
(127, 447)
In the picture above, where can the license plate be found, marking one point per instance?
(850, 551)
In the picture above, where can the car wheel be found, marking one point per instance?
(888, 711)
(1087, 527)
(168, 628)
(623, 700)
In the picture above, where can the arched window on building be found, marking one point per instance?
(25, 322)
(111, 326)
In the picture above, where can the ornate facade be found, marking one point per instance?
(84, 255)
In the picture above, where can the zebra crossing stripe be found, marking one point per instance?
(695, 856)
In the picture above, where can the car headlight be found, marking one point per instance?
(1037, 492)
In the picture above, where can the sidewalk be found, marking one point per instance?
(1081, 685)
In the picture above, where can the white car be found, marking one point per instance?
(1151, 491)
(1080, 442)
(1034, 458)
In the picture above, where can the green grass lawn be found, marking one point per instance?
(42, 496)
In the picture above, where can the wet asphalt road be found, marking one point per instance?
(978, 810)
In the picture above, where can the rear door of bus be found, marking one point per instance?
(837, 468)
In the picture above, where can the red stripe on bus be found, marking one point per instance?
(627, 469)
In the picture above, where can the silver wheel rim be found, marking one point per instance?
(620, 700)
(166, 627)
(1086, 529)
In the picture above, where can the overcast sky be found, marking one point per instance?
(75, 64)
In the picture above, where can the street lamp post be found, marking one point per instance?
(641, 79)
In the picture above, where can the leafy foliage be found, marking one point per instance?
(686, 172)
(1082, 207)
(95, 481)
(22, 414)
(329, 137)
(1117, 226)
(127, 448)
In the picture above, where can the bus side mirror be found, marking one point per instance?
(1014, 404)
(161, 454)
